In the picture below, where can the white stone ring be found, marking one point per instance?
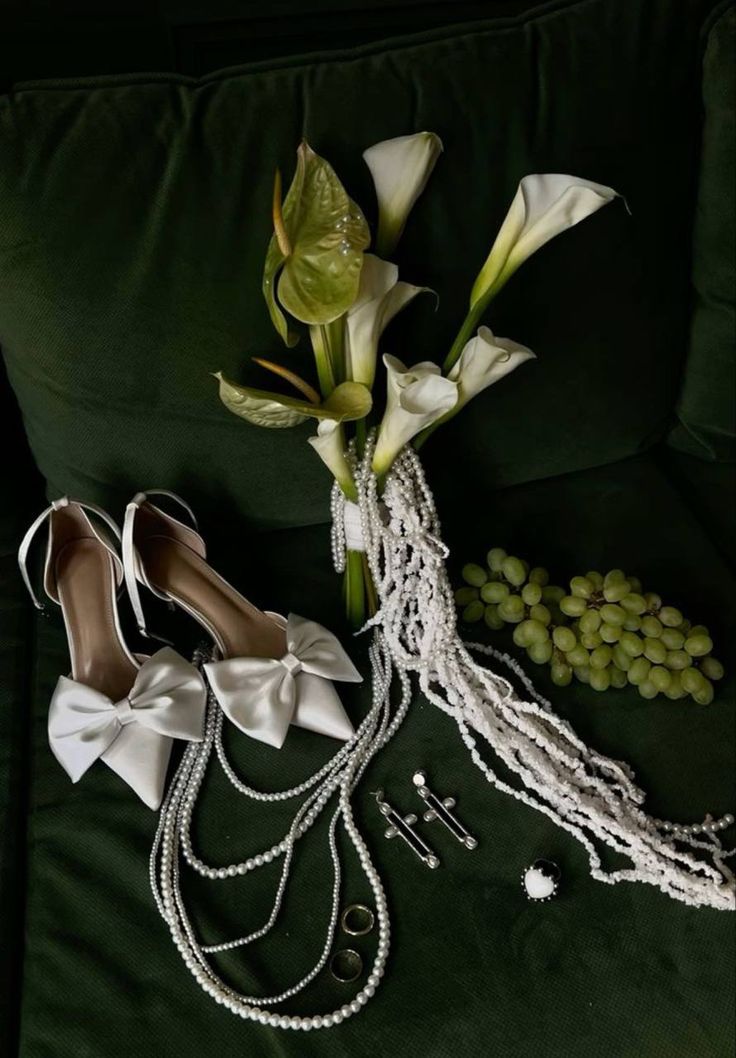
(541, 880)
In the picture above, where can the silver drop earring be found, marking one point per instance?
(403, 826)
(440, 808)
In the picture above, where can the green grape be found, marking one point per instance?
(670, 616)
(672, 639)
(655, 650)
(705, 695)
(601, 657)
(513, 570)
(632, 622)
(578, 656)
(521, 635)
(492, 618)
(561, 673)
(595, 579)
(711, 668)
(698, 630)
(621, 659)
(581, 587)
(465, 595)
(531, 594)
(564, 638)
(631, 644)
(538, 632)
(659, 677)
(473, 612)
(616, 591)
(590, 621)
(685, 627)
(692, 680)
(639, 671)
(540, 613)
(651, 627)
(618, 678)
(613, 615)
(652, 600)
(540, 653)
(635, 584)
(591, 640)
(648, 690)
(610, 633)
(552, 594)
(634, 603)
(675, 690)
(698, 646)
(474, 574)
(511, 609)
(494, 591)
(495, 559)
(582, 673)
(573, 606)
(600, 679)
(677, 660)
(614, 576)
(538, 575)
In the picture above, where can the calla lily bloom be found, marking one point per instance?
(416, 397)
(329, 444)
(380, 296)
(545, 205)
(485, 360)
(400, 169)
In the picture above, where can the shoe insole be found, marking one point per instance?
(86, 585)
(240, 629)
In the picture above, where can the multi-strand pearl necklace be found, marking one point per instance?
(339, 778)
(591, 796)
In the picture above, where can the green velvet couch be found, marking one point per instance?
(133, 222)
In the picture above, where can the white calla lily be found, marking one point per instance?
(485, 360)
(400, 169)
(329, 444)
(380, 296)
(416, 397)
(544, 205)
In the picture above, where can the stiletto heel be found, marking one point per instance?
(116, 706)
(268, 672)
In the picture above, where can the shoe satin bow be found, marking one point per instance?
(133, 736)
(263, 696)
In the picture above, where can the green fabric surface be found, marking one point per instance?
(706, 408)
(134, 216)
(133, 223)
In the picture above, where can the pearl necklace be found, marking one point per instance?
(339, 776)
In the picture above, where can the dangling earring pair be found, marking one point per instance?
(437, 808)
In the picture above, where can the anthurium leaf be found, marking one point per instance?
(319, 278)
(347, 402)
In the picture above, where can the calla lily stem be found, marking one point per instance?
(322, 358)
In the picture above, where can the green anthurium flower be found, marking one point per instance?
(315, 256)
(329, 444)
(416, 397)
(545, 205)
(347, 402)
(380, 296)
(400, 169)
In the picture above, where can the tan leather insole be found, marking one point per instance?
(242, 629)
(86, 587)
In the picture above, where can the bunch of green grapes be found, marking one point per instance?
(605, 631)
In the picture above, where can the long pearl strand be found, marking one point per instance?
(591, 796)
(340, 776)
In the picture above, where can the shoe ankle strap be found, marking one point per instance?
(26, 542)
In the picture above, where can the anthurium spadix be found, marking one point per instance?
(485, 360)
(416, 397)
(329, 444)
(545, 204)
(400, 169)
(380, 296)
(315, 256)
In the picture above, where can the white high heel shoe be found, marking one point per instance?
(122, 708)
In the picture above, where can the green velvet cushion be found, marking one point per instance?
(134, 216)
